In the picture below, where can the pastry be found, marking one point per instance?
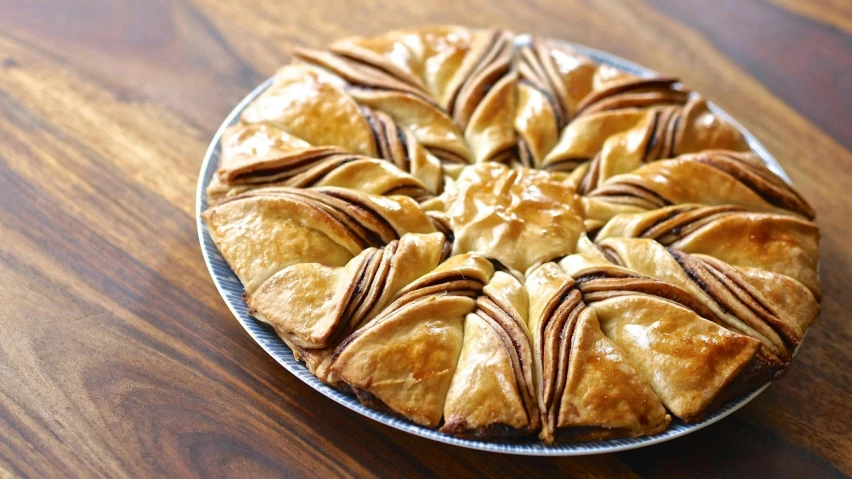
(404, 359)
(662, 327)
(729, 296)
(712, 177)
(313, 307)
(779, 243)
(509, 241)
(491, 209)
(586, 385)
(492, 393)
(263, 231)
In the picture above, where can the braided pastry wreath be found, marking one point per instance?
(507, 240)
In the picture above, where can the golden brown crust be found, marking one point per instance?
(414, 212)
(727, 293)
(779, 243)
(710, 177)
(316, 306)
(260, 236)
(493, 209)
(492, 392)
(552, 81)
(699, 358)
(407, 358)
(585, 382)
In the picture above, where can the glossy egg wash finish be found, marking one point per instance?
(232, 292)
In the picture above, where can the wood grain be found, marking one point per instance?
(119, 359)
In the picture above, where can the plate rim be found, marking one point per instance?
(271, 344)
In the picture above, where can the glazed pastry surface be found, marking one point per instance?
(509, 241)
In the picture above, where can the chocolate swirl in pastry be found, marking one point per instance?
(482, 99)
(660, 327)
(441, 224)
(587, 388)
(658, 130)
(405, 358)
(559, 86)
(305, 114)
(313, 307)
(399, 146)
(264, 152)
(468, 73)
(263, 231)
(751, 171)
(408, 105)
(552, 82)
(261, 155)
(399, 75)
(431, 126)
(479, 96)
(621, 140)
(361, 174)
(731, 298)
(713, 177)
(360, 75)
(778, 243)
(647, 106)
(460, 275)
(633, 93)
(394, 53)
(492, 393)
(379, 204)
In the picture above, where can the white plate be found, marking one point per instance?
(232, 292)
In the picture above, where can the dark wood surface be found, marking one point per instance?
(118, 357)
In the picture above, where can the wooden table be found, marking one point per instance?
(119, 358)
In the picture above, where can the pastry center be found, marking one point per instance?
(520, 217)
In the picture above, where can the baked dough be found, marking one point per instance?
(511, 241)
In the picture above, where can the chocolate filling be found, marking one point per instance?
(359, 74)
(320, 171)
(490, 431)
(759, 179)
(351, 56)
(404, 158)
(352, 199)
(603, 288)
(737, 299)
(639, 84)
(508, 328)
(565, 165)
(629, 191)
(376, 130)
(558, 338)
(537, 71)
(641, 99)
(525, 155)
(447, 156)
(262, 172)
(488, 54)
(652, 141)
(683, 220)
(337, 209)
(590, 179)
